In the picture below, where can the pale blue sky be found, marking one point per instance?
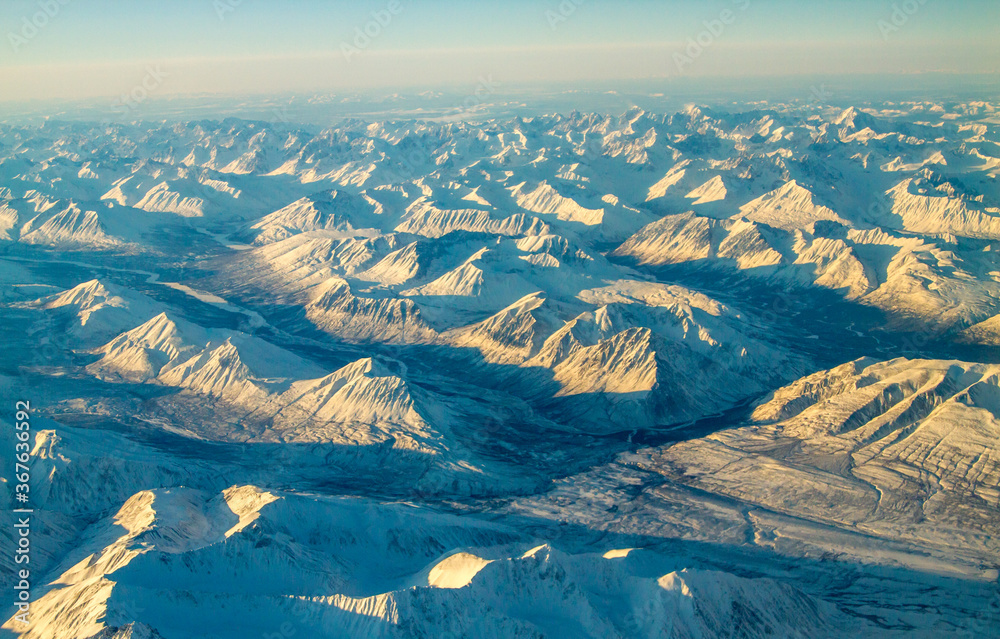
(104, 47)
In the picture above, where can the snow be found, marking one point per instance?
(545, 200)
(712, 191)
(334, 211)
(144, 352)
(161, 198)
(878, 447)
(640, 374)
(99, 310)
(363, 397)
(673, 176)
(457, 571)
(925, 210)
(790, 207)
(921, 277)
(423, 218)
(540, 590)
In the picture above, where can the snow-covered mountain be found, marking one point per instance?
(714, 372)
(902, 450)
(334, 211)
(142, 353)
(95, 311)
(940, 283)
(332, 582)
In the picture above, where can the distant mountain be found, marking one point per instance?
(919, 281)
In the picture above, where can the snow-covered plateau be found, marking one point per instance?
(677, 375)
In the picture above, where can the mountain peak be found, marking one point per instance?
(217, 372)
(81, 297)
(789, 207)
(846, 117)
(148, 350)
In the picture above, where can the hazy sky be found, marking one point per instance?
(91, 48)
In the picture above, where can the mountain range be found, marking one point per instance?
(717, 372)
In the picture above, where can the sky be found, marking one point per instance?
(74, 49)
